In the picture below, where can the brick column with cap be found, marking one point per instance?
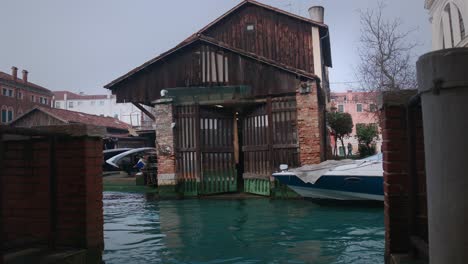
(167, 181)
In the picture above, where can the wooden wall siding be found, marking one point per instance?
(192, 67)
(275, 36)
(37, 118)
(270, 138)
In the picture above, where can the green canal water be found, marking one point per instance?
(138, 229)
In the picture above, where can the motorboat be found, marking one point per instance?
(109, 153)
(346, 180)
(126, 161)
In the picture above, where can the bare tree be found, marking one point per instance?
(386, 54)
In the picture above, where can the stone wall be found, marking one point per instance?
(310, 122)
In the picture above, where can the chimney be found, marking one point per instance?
(14, 72)
(316, 13)
(25, 76)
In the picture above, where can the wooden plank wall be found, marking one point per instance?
(275, 36)
(193, 67)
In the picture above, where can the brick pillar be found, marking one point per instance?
(309, 118)
(79, 195)
(399, 208)
(165, 147)
(51, 188)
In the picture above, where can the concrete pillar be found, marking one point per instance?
(309, 126)
(167, 181)
(443, 84)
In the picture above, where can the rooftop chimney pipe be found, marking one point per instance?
(14, 72)
(316, 13)
(25, 76)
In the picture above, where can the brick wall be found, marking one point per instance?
(25, 192)
(32, 212)
(404, 175)
(165, 143)
(310, 127)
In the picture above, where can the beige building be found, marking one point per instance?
(449, 20)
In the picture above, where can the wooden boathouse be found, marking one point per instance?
(235, 100)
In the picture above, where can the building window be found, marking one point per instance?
(341, 108)
(359, 107)
(449, 13)
(372, 107)
(101, 102)
(43, 100)
(7, 92)
(116, 116)
(19, 95)
(57, 104)
(70, 104)
(462, 25)
(93, 103)
(10, 115)
(4, 115)
(79, 103)
(33, 99)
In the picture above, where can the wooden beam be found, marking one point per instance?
(146, 112)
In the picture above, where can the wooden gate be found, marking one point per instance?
(269, 139)
(187, 147)
(204, 150)
(285, 142)
(218, 171)
(256, 147)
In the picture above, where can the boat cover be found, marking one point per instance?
(311, 173)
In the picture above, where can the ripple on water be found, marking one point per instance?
(140, 230)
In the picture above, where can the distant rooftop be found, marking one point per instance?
(60, 95)
(70, 117)
(9, 78)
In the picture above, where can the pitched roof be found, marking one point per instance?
(274, 9)
(67, 116)
(60, 95)
(11, 79)
(212, 41)
(199, 35)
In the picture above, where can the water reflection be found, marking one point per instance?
(143, 230)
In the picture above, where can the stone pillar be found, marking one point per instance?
(167, 181)
(443, 85)
(309, 126)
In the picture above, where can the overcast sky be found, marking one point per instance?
(83, 45)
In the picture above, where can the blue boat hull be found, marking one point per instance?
(345, 188)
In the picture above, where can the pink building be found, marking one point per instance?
(363, 110)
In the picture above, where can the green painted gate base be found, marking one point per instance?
(189, 187)
(211, 184)
(257, 186)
